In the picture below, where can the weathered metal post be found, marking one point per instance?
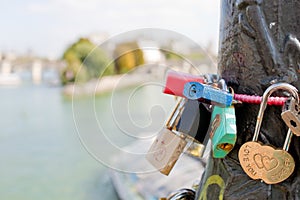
(259, 45)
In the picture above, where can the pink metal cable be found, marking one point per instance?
(252, 99)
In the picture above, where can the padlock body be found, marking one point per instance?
(266, 163)
(175, 82)
(223, 136)
(165, 151)
(194, 123)
(291, 115)
(207, 93)
(196, 149)
(194, 120)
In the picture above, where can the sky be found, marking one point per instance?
(47, 27)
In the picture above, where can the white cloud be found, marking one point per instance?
(79, 4)
(62, 6)
(37, 8)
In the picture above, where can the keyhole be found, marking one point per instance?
(293, 123)
(193, 90)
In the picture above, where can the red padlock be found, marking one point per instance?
(175, 82)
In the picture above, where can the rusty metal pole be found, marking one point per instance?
(259, 45)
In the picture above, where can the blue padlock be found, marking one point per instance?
(195, 90)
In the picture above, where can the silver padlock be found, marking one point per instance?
(291, 115)
(182, 194)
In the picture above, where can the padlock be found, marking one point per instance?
(222, 130)
(168, 146)
(194, 123)
(207, 93)
(182, 194)
(175, 82)
(165, 151)
(261, 161)
(291, 115)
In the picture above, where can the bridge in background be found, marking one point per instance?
(12, 70)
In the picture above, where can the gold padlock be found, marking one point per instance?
(168, 146)
(165, 151)
(263, 161)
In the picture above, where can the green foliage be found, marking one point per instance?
(127, 56)
(84, 62)
(196, 56)
(172, 56)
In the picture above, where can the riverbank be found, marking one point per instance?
(104, 85)
(147, 73)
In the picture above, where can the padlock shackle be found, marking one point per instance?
(288, 140)
(176, 113)
(211, 78)
(222, 85)
(277, 86)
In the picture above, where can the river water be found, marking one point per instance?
(41, 150)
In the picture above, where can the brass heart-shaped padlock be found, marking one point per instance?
(266, 163)
(263, 161)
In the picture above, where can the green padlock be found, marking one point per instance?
(222, 130)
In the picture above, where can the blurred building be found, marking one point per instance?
(151, 51)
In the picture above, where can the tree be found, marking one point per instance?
(85, 61)
(258, 46)
(127, 56)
